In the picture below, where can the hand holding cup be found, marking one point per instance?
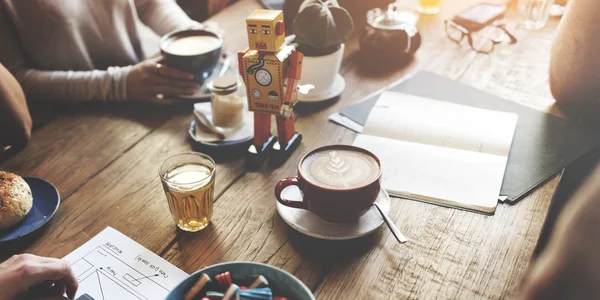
(151, 80)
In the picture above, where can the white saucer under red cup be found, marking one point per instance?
(310, 224)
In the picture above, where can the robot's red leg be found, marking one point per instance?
(263, 141)
(285, 129)
(289, 140)
(262, 128)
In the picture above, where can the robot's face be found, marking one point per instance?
(260, 37)
(265, 30)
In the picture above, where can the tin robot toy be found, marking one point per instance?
(271, 71)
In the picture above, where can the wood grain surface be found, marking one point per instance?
(105, 163)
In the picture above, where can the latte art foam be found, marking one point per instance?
(340, 168)
(192, 45)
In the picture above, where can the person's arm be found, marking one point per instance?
(569, 267)
(28, 276)
(164, 16)
(575, 59)
(15, 121)
(141, 82)
(46, 85)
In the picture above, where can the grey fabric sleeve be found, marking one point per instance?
(164, 16)
(74, 86)
(42, 85)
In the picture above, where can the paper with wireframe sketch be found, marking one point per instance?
(112, 266)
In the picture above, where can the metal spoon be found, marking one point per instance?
(226, 63)
(395, 231)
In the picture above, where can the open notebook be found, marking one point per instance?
(439, 152)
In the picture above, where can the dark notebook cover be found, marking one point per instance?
(543, 144)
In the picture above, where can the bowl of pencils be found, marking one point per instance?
(241, 281)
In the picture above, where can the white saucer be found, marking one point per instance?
(203, 135)
(339, 84)
(308, 223)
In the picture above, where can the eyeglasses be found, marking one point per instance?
(482, 41)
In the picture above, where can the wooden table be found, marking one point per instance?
(104, 160)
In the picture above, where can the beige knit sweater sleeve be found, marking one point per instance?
(57, 85)
(162, 16)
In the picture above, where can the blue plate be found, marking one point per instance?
(45, 204)
(244, 273)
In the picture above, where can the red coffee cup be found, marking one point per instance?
(339, 183)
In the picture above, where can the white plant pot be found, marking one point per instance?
(323, 73)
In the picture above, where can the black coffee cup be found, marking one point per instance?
(201, 65)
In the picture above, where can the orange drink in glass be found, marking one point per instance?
(429, 7)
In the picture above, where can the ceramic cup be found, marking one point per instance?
(339, 183)
(190, 56)
(321, 72)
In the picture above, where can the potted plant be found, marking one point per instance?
(321, 28)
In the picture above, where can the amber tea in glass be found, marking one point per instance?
(429, 7)
(189, 181)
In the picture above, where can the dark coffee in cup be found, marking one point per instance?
(339, 183)
(193, 51)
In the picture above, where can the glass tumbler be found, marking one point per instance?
(188, 180)
(534, 13)
(429, 7)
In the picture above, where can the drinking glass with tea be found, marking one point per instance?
(534, 13)
(429, 7)
(188, 180)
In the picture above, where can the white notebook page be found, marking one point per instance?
(439, 152)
